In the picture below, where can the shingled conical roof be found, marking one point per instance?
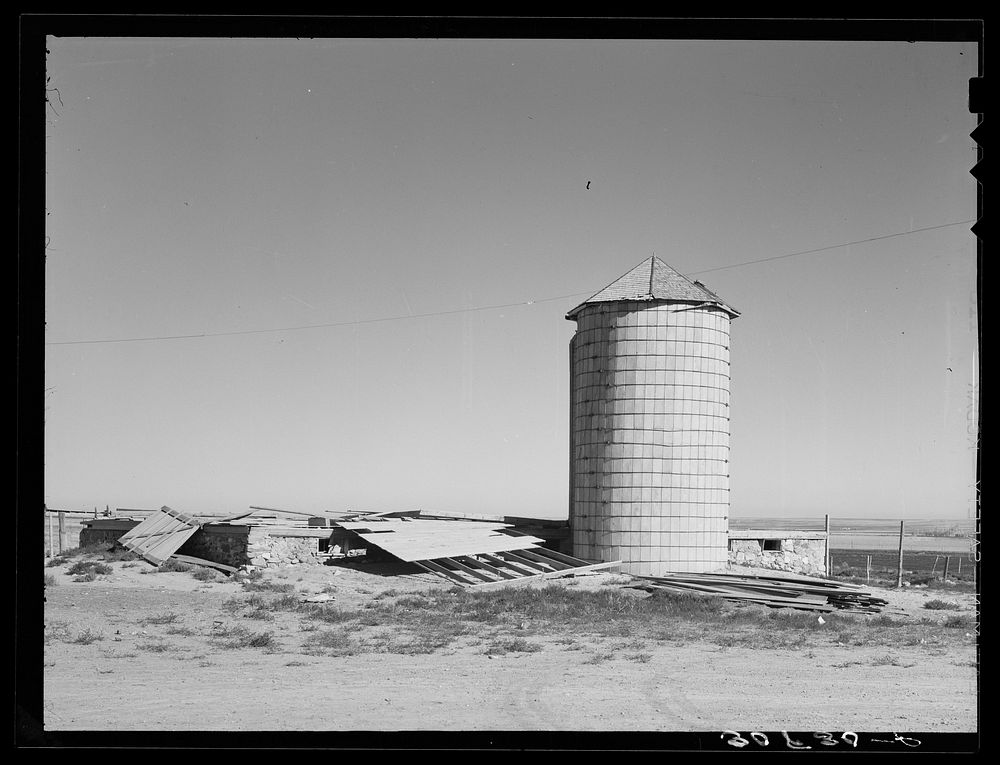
(655, 280)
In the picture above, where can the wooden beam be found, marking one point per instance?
(542, 559)
(562, 556)
(513, 566)
(526, 561)
(548, 575)
(434, 568)
(467, 569)
(492, 569)
(202, 562)
(333, 516)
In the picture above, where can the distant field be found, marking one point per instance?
(960, 567)
(921, 527)
(863, 541)
(943, 536)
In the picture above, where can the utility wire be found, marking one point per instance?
(832, 247)
(486, 307)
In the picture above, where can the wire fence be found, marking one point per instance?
(917, 567)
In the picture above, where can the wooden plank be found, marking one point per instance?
(492, 569)
(513, 566)
(507, 554)
(227, 518)
(164, 548)
(557, 564)
(202, 562)
(523, 520)
(157, 523)
(467, 569)
(316, 532)
(332, 516)
(434, 568)
(157, 528)
(160, 535)
(562, 556)
(420, 525)
(548, 575)
(435, 514)
(391, 514)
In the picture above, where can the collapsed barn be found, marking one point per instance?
(649, 477)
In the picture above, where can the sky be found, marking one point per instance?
(331, 274)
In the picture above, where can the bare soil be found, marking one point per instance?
(139, 650)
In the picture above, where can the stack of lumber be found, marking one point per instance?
(774, 591)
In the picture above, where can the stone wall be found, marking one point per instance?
(252, 546)
(803, 555)
(267, 550)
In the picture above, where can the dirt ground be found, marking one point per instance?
(114, 662)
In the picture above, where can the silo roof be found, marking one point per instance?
(654, 280)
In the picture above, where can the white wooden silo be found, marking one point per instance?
(649, 424)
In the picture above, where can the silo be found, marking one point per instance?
(649, 424)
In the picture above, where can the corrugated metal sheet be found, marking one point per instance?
(160, 535)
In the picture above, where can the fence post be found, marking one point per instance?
(947, 562)
(52, 536)
(868, 570)
(826, 525)
(899, 566)
(62, 531)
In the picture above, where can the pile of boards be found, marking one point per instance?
(777, 592)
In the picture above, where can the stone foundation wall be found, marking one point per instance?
(265, 550)
(803, 556)
(235, 545)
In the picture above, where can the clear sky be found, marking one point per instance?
(213, 186)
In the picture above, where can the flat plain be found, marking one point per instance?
(372, 647)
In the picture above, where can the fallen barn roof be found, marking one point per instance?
(469, 553)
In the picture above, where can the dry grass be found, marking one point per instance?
(941, 605)
(90, 569)
(260, 585)
(172, 564)
(512, 645)
(428, 621)
(158, 646)
(87, 637)
(208, 574)
(240, 637)
(159, 619)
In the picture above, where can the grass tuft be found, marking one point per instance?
(157, 646)
(512, 645)
(172, 564)
(259, 585)
(941, 605)
(208, 574)
(962, 621)
(160, 619)
(87, 637)
(239, 637)
(86, 568)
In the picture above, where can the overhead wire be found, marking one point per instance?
(518, 304)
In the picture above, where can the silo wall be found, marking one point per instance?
(649, 436)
